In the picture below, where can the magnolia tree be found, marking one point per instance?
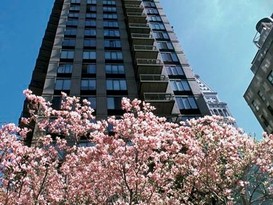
(142, 159)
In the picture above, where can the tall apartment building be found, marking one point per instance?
(103, 50)
(259, 94)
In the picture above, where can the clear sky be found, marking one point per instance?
(216, 36)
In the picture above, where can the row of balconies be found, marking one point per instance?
(153, 84)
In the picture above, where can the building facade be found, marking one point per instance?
(103, 50)
(259, 93)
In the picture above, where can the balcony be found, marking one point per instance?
(142, 39)
(142, 28)
(136, 17)
(132, 2)
(163, 102)
(145, 51)
(134, 8)
(153, 83)
(149, 66)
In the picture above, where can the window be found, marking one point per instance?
(186, 103)
(174, 70)
(62, 84)
(270, 109)
(165, 45)
(149, 4)
(111, 33)
(256, 105)
(73, 15)
(154, 18)
(56, 102)
(109, 9)
(90, 15)
(89, 69)
(152, 11)
(116, 84)
(270, 77)
(70, 42)
(90, 23)
(114, 103)
(90, 32)
(157, 26)
(169, 57)
(88, 84)
(113, 55)
(261, 95)
(110, 16)
(180, 85)
(75, 1)
(109, 2)
(114, 69)
(89, 55)
(65, 68)
(89, 43)
(160, 35)
(93, 101)
(70, 31)
(113, 24)
(266, 123)
(67, 54)
(112, 43)
(91, 1)
(91, 8)
(72, 22)
(74, 8)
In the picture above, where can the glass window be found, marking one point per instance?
(157, 26)
(169, 57)
(72, 22)
(89, 69)
(152, 11)
(91, 8)
(112, 43)
(90, 55)
(149, 4)
(69, 42)
(91, 1)
(186, 103)
(114, 103)
(113, 55)
(110, 16)
(70, 31)
(174, 70)
(109, 2)
(109, 9)
(160, 35)
(154, 18)
(73, 15)
(93, 101)
(270, 77)
(165, 45)
(261, 95)
(116, 84)
(114, 69)
(256, 105)
(75, 1)
(91, 15)
(88, 84)
(74, 8)
(89, 43)
(90, 23)
(90, 32)
(65, 68)
(67, 54)
(180, 85)
(62, 84)
(111, 33)
(113, 24)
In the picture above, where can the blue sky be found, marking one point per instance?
(216, 36)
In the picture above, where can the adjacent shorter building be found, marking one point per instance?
(259, 93)
(215, 105)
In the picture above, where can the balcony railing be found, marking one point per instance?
(158, 97)
(144, 61)
(153, 77)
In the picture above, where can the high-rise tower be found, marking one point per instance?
(259, 93)
(103, 50)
